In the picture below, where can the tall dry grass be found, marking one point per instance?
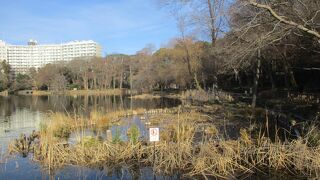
(179, 152)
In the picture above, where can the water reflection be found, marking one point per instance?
(23, 114)
(23, 169)
(9, 104)
(20, 121)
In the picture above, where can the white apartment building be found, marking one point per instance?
(23, 57)
(3, 51)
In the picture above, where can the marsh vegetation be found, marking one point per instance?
(195, 142)
(235, 95)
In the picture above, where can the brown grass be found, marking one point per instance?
(146, 96)
(178, 151)
(4, 93)
(40, 93)
(79, 92)
(96, 92)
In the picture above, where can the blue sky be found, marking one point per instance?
(120, 26)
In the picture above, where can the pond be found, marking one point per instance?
(23, 114)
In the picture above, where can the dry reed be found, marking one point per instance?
(178, 152)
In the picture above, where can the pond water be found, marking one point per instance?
(23, 114)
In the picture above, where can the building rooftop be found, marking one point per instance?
(34, 42)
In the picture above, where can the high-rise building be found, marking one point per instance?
(3, 51)
(23, 57)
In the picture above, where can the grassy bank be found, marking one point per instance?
(184, 148)
(146, 96)
(78, 92)
(4, 93)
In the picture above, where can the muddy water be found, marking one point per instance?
(23, 114)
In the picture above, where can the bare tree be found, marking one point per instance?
(267, 32)
(202, 16)
(58, 83)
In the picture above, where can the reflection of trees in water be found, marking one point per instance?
(79, 104)
(104, 103)
(22, 114)
(21, 121)
(99, 172)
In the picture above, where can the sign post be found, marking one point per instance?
(154, 136)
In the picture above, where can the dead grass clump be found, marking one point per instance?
(293, 157)
(59, 125)
(205, 96)
(211, 131)
(312, 134)
(24, 144)
(146, 96)
(178, 151)
(171, 157)
(99, 119)
(190, 117)
(216, 160)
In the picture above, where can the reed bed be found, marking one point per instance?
(178, 151)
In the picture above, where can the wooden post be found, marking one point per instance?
(109, 135)
(154, 160)
(256, 81)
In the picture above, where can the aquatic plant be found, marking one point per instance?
(134, 133)
(116, 139)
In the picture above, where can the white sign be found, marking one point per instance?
(154, 134)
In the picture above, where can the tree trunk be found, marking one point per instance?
(212, 23)
(188, 59)
(121, 74)
(85, 81)
(197, 82)
(114, 82)
(271, 76)
(121, 80)
(131, 84)
(289, 73)
(131, 99)
(256, 80)
(94, 82)
(204, 82)
(106, 82)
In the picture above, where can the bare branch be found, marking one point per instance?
(283, 20)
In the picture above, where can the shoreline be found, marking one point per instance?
(73, 92)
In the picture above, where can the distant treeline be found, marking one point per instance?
(250, 44)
